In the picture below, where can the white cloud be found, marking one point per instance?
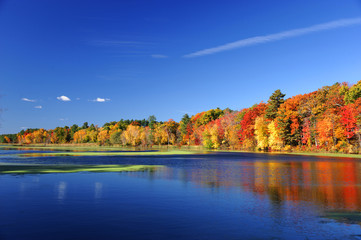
(159, 56)
(101, 99)
(63, 119)
(276, 36)
(39, 107)
(28, 100)
(63, 98)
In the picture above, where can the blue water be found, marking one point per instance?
(209, 196)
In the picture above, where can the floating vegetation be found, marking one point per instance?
(37, 169)
(345, 217)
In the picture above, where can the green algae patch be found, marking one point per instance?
(38, 169)
(135, 153)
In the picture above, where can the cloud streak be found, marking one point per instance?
(276, 36)
(101, 99)
(64, 98)
(38, 107)
(28, 100)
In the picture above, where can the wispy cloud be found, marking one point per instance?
(63, 119)
(64, 98)
(276, 36)
(28, 100)
(38, 107)
(159, 56)
(101, 100)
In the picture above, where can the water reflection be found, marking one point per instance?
(61, 190)
(332, 185)
(213, 198)
(98, 190)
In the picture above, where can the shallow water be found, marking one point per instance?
(208, 196)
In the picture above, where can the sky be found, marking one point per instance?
(68, 62)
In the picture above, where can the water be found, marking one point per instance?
(208, 196)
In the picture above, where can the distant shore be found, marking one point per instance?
(94, 149)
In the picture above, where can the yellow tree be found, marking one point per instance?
(131, 136)
(103, 136)
(80, 136)
(215, 139)
(261, 132)
(145, 136)
(274, 141)
(39, 136)
(91, 136)
(160, 134)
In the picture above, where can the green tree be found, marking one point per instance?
(116, 137)
(184, 124)
(85, 125)
(353, 93)
(275, 101)
(152, 120)
(73, 130)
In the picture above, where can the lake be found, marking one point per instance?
(202, 196)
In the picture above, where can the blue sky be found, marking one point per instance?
(132, 59)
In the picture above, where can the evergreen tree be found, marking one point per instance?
(152, 120)
(85, 125)
(275, 101)
(184, 123)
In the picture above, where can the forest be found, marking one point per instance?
(328, 119)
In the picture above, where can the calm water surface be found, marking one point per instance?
(209, 196)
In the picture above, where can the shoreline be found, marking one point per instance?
(91, 149)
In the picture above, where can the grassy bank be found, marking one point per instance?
(70, 147)
(37, 169)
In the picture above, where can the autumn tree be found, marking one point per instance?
(274, 140)
(261, 132)
(247, 135)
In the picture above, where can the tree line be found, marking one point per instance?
(328, 119)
